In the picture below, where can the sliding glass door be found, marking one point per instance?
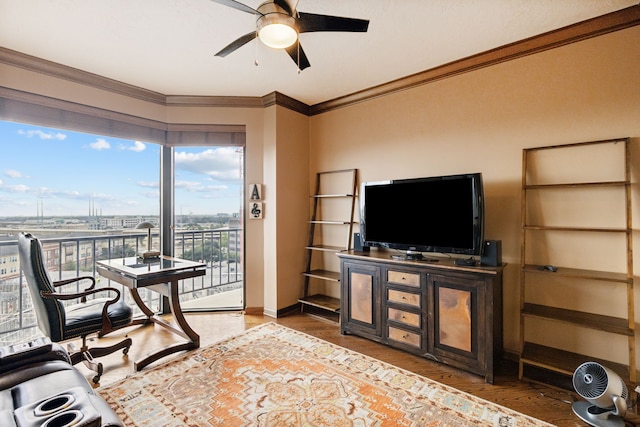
(208, 226)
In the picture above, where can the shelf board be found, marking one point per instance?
(576, 184)
(614, 325)
(562, 361)
(581, 229)
(333, 276)
(322, 301)
(327, 248)
(579, 273)
(330, 196)
(328, 221)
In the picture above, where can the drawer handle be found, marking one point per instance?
(403, 297)
(406, 336)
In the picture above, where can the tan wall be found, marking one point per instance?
(292, 172)
(481, 121)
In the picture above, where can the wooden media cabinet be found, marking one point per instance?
(438, 310)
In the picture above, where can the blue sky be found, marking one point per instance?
(67, 173)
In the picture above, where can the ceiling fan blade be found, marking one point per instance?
(285, 5)
(302, 62)
(237, 5)
(237, 44)
(309, 22)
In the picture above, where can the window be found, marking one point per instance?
(77, 184)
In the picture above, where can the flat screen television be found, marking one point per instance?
(442, 214)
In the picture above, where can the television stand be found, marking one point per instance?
(439, 311)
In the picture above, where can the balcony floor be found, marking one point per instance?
(228, 299)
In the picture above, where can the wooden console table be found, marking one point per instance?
(438, 310)
(160, 275)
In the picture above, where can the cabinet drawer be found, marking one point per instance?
(411, 319)
(403, 278)
(404, 297)
(410, 338)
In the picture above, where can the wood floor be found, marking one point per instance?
(545, 403)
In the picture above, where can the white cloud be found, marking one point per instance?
(189, 185)
(16, 188)
(137, 147)
(148, 184)
(220, 163)
(43, 135)
(12, 173)
(100, 144)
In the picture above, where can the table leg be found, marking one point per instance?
(142, 306)
(183, 329)
(176, 310)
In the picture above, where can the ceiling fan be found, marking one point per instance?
(278, 25)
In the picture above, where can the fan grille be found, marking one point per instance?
(590, 380)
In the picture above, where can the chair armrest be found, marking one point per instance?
(76, 279)
(38, 350)
(65, 296)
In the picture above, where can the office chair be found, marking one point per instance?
(62, 322)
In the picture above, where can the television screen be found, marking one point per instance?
(435, 214)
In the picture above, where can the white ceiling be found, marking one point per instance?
(168, 46)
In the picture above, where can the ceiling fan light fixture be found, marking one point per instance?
(277, 30)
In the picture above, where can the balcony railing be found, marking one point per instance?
(68, 257)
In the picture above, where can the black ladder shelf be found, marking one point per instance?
(335, 194)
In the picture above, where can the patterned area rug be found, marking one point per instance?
(272, 376)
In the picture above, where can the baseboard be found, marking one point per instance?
(511, 355)
(254, 311)
(292, 309)
(270, 313)
(295, 308)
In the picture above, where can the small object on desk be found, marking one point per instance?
(149, 253)
(465, 261)
(549, 267)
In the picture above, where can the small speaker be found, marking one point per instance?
(492, 253)
(357, 244)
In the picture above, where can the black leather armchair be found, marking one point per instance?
(62, 322)
(39, 387)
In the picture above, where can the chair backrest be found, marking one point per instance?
(49, 312)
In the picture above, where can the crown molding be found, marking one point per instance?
(53, 69)
(214, 101)
(277, 98)
(624, 18)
